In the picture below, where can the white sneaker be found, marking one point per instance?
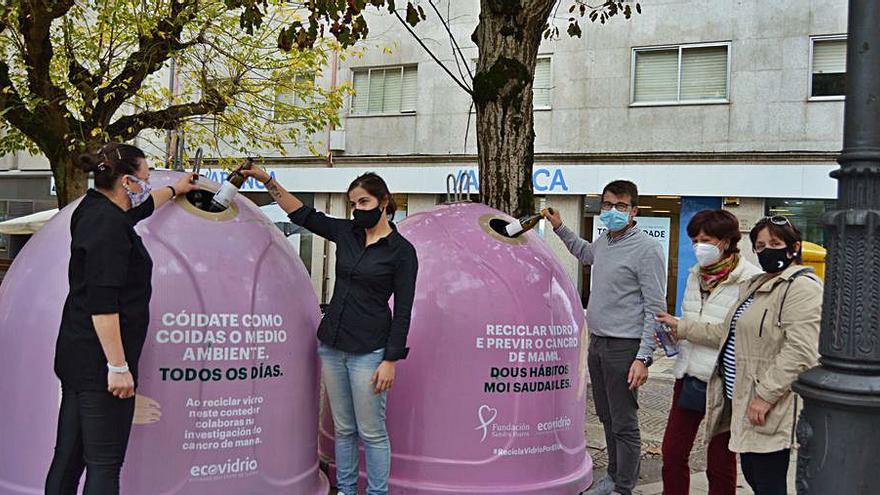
(602, 486)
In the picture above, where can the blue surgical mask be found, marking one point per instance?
(138, 198)
(614, 220)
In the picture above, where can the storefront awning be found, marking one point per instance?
(27, 224)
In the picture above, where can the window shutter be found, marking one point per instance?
(829, 56)
(303, 88)
(359, 102)
(704, 73)
(291, 96)
(377, 90)
(410, 89)
(656, 76)
(391, 94)
(385, 91)
(542, 83)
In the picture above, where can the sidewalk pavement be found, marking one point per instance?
(655, 398)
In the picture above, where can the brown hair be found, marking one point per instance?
(720, 224)
(621, 187)
(110, 162)
(788, 233)
(377, 188)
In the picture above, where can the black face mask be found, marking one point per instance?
(367, 218)
(774, 260)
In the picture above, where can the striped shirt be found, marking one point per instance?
(728, 352)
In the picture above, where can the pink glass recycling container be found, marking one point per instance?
(228, 393)
(492, 396)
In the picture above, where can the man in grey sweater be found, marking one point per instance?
(629, 288)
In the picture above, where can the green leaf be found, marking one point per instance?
(574, 29)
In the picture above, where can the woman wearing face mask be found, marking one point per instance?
(361, 338)
(104, 321)
(712, 289)
(769, 337)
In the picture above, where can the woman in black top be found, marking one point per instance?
(361, 339)
(105, 318)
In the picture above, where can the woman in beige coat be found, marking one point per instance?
(768, 338)
(712, 289)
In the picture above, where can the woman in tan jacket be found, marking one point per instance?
(769, 337)
(713, 287)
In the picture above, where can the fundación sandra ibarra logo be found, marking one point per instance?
(488, 427)
(487, 416)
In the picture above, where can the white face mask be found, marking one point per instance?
(707, 254)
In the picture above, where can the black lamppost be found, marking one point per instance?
(839, 428)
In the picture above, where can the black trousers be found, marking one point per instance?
(617, 406)
(93, 428)
(766, 473)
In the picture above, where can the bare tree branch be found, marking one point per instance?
(34, 23)
(106, 61)
(129, 126)
(460, 84)
(153, 51)
(14, 110)
(456, 50)
(80, 77)
(4, 14)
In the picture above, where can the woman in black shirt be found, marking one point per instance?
(105, 319)
(360, 337)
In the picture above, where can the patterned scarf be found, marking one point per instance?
(711, 276)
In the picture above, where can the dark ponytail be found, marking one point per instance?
(376, 186)
(111, 162)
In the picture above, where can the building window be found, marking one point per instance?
(289, 97)
(385, 91)
(681, 74)
(805, 214)
(828, 68)
(542, 84)
(210, 121)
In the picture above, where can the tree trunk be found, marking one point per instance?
(508, 36)
(70, 181)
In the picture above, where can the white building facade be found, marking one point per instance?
(701, 103)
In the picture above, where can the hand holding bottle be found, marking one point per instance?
(223, 198)
(664, 338)
(186, 184)
(552, 215)
(518, 228)
(670, 321)
(257, 173)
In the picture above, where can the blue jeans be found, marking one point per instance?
(357, 412)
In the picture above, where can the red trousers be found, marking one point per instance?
(681, 430)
